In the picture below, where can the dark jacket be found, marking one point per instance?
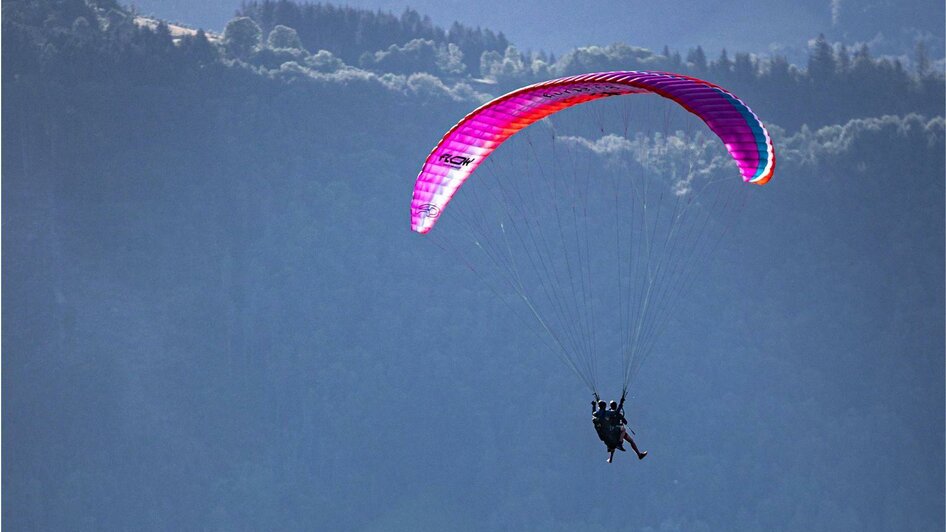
(602, 422)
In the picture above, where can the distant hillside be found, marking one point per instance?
(291, 41)
(349, 32)
(764, 26)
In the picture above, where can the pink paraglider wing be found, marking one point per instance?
(475, 137)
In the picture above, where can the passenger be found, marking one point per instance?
(619, 424)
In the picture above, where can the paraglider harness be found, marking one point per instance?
(609, 427)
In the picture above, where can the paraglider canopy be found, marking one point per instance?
(475, 137)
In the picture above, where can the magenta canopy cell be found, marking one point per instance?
(475, 137)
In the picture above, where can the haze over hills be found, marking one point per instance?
(216, 317)
(762, 27)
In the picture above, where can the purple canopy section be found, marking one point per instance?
(475, 137)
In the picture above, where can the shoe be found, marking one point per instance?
(642, 455)
(621, 447)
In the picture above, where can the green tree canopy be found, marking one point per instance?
(241, 36)
(284, 37)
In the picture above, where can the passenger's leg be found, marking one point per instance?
(640, 455)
